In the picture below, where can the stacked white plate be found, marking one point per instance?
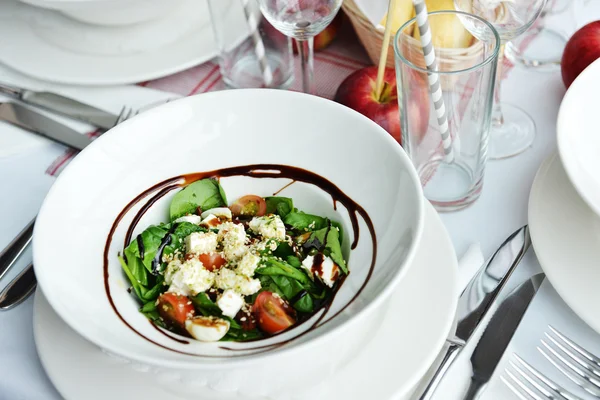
(564, 207)
(106, 42)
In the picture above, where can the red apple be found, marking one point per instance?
(581, 50)
(324, 39)
(357, 91)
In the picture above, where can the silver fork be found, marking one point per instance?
(575, 362)
(528, 383)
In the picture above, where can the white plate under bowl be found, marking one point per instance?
(262, 130)
(566, 236)
(381, 371)
(49, 46)
(577, 135)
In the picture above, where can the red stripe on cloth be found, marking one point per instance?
(212, 84)
(60, 162)
(203, 80)
(67, 156)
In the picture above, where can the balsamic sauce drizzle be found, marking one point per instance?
(255, 171)
(140, 243)
(161, 248)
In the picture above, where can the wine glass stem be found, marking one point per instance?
(306, 52)
(497, 118)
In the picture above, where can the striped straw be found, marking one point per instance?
(259, 47)
(434, 81)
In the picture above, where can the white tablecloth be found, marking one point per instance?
(501, 209)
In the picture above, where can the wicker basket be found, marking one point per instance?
(372, 40)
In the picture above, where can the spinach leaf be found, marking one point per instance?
(283, 250)
(305, 304)
(138, 288)
(335, 249)
(305, 222)
(148, 307)
(154, 316)
(294, 261)
(267, 284)
(205, 305)
(332, 243)
(240, 335)
(205, 193)
(138, 271)
(155, 291)
(150, 240)
(271, 266)
(281, 206)
(288, 287)
(340, 229)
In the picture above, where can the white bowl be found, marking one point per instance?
(214, 131)
(577, 135)
(110, 12)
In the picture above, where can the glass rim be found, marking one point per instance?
(460, 71)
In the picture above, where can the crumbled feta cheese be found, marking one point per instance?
(220, 212)
(248, 264)
(234, 240)
(327, 273)
(207, 329)
(269, 226)
(227, 279)
(188, 278)
(247, 286)
(201, 242)
(210, 222)
(230, 303)
(193, 219)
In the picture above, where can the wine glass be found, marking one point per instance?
(541, 47)
(301, 20)
(513, 130)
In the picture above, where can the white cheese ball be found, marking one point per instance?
(188, 278)
(201, 243)
(230, 303)
(191, 218)
(233, 238)
(328, 273)
(269, 227)
(248, 264)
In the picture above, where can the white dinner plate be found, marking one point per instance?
(577, 135)
(389, 367)
(50, 46)
(566, 236)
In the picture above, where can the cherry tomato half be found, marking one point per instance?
(272, 314)
(249, 206)
(175, 309)
(212, 261)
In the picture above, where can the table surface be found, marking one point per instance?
(501, 209)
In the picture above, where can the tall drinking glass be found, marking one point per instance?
(513, 130)
(301, 20)
(467, 91)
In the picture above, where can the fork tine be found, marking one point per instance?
(519, 388)
(583, 352)
(587, 366)
(568, 369)
(551, 387)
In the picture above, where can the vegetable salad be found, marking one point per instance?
(240, 272)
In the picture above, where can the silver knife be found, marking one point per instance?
(63, 105)
(477, 298)
(33, 120)
(498, 334)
